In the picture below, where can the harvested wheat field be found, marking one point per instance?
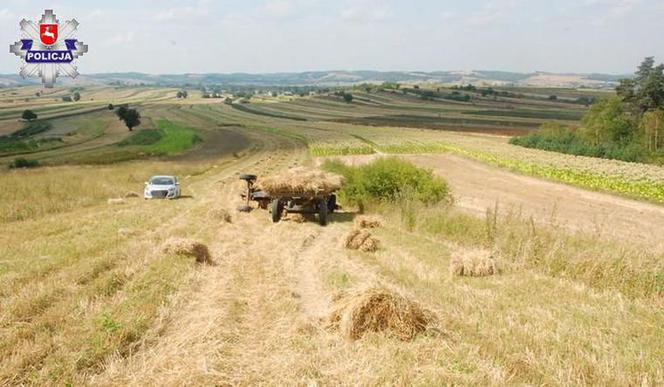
(402, 287)
(116, 201)
(221, 214)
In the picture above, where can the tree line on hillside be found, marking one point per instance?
(628, 126)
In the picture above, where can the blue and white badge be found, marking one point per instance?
(48, 49)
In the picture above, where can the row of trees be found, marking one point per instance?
(628, 126)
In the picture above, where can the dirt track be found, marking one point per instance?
(477, 186)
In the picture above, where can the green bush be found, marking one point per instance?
(31, 129)
(388, 180)
(23, 163)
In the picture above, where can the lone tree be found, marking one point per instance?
(348, 97)
(182, 94)
(77, 96)
(110, 106)
(131, 117)
(29, 115)
(122, 112)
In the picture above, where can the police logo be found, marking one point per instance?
(48, 49)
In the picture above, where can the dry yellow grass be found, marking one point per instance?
(473, 263)
(116, 201)
(131, 195)
(221, 214)
(297, 218)
(188, 247)
(367, 221)
(378, 309)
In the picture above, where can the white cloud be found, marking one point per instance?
(94, 14)
(284, 9)
(493, 11)
(121, 39)
(366, 11)
(186, 13)
(613, 9)
(6, 14)
(280, 8)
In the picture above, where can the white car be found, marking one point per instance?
(162, 187)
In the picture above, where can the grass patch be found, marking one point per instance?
(521, 244)
(176, 138)
(169, 138)
(143, 137)
(22, 140)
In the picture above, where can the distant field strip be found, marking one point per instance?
(625, 184)
(568, 115)
(265, 112)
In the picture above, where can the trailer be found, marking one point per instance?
(321, 204)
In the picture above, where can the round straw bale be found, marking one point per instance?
(361, 240)
(473, 263)
(369, 245)
(378, 309)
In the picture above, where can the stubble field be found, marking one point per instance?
(88, 295)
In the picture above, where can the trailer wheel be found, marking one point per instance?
(332, 203)
(277, 209)
(322, 213)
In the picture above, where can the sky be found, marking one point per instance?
(267, 36)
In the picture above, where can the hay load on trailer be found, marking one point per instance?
(298, 190)
(302, 181)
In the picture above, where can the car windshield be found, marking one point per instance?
(161, 181)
